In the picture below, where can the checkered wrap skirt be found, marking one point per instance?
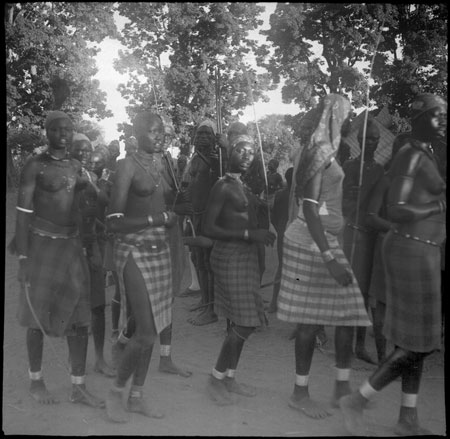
(413, 297)
(59, 289)
(309, 294)
(150, 251)
(237, 282)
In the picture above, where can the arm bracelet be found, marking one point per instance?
(150, 220)
(311, 200)
(327, 256)
(166, 217)
(21, 209)
(115, 215)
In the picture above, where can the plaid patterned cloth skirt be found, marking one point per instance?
(177, 256)
(150, 251)
(377, 290)
(59, 284)
(237, 282)
(309, 294)
(413, 297)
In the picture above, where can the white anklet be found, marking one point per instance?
(301, 380)
(77, 379)
(230, 373)
(409, 400)
(342, 374)
(218, 375)
(164, 350)
(366, 390)
(35, 376)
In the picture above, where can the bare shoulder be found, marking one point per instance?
(126, 166)
(406, 161)
(223, 187)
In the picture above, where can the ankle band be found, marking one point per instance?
(366, 390)
(409, 400)
(77, 380)
(122, 339)
(218, 375)
(136, 391)
(301, 380)
(35, 376)
(342, 374)
(230, 373)
(164, 350)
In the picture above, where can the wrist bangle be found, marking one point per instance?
(150, 220)
(246, 235)
(22, 257)
(327, 256)
(166, 217)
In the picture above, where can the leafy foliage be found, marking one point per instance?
(172, 52)
(50, 49)
(411, 55)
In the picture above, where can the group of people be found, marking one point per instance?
(69, 214)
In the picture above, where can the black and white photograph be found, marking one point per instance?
(225, 219)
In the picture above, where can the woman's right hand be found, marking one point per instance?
(341, 274)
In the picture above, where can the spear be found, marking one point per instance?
(259, 142)
(363, 145)
(218, 113)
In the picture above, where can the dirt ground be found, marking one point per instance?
(267, 363)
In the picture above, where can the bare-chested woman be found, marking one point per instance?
(139, 220)
(416, 205)
(52, 267)
(230, 219)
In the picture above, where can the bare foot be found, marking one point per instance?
(352, 410)
(341, 388)
(166, 365)
(309, 407)
(205, 318)
(140, 405)
(407, 429)
(114, 407)
(104, 369)
(218, 391)
(241, 389)
(81, 396)
(39, 392)
(363, 355)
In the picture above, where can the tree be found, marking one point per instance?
(50, 49)
(195, 39)
(277, 138)
(411, 56)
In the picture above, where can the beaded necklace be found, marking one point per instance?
(157, 181)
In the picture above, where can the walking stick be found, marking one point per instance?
(218, 113)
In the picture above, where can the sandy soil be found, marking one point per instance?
(267, 363)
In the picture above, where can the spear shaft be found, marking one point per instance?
(218, 113)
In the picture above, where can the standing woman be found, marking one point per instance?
(317, 284)
(139, 220)
(416, 205)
